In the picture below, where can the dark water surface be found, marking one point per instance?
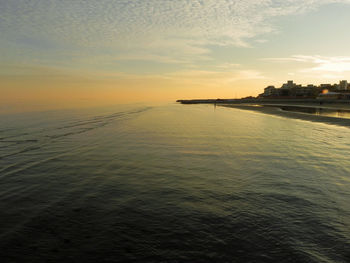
(172, 183)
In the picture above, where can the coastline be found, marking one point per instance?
(277, 111)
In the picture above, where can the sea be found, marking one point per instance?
(172, 183)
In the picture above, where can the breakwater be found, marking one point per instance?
(267, 101)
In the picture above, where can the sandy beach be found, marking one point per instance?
(277, 110)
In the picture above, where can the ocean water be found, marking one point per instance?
(172, 183)
(321, 111)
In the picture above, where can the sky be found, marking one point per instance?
(76, 53)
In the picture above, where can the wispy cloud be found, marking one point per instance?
(329, 64)
(318, 63)
(316, 67)
(208, 77)
(169, 31)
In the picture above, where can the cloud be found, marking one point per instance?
(208, 77)
(320, 64)
(166, 30)
(329, 64)
(228, 66)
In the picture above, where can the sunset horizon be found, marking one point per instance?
(60, 54)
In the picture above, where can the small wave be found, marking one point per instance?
(19, 152)
(13, 136)
(74, 132)
(94, 123)
(19, 141)
(70, 129)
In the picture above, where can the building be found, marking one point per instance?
(327, 87)
(329, 95)
(311, 86)
(288, 85)
(269, 91)
(343, 85)
(307, 91)
(294, 91)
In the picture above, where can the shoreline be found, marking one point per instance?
(301, 102)
(277, 111)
